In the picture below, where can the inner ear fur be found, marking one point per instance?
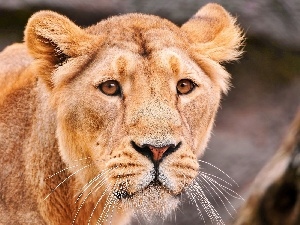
(52, 38)
(214, 34)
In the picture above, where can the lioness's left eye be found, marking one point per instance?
(110, 87)
(185, 86)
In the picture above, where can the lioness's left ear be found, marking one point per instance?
(214, 33)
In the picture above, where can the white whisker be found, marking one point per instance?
(192, 197)
(86, 186)
(205, 203)
(211, 185)
(218, 170)
(62, 171)
(82, 159)
(94, 189)
(112, 211)
(107, 206)
(76, 160)
(227, 190)
(67, 179)
(206, 189)
(97, 203)
(214, 176)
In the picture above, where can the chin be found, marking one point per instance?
(151, 202)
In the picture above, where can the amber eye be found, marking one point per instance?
(185, 86)
(110, 87)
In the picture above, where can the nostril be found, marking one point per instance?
(154, 153)
(144, 149)
(172, 149)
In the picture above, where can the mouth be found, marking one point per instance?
(152, 201)
(156, 185)
(121, 194)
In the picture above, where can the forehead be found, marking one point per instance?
(141, 44)
(141, 34)
(118, 63)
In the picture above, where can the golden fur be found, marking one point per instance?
(73, 154)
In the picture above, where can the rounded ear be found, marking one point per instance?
(214, 33)
(52, 39)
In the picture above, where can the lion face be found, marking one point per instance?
(140, 126)
(135, 101)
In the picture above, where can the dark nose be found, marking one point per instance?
(155, 153)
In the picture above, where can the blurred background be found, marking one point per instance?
(265, 94)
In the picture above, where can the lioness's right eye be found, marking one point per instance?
(110, 87)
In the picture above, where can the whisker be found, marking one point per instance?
(199, 196)
(97, 203)
(62, 171)
(112, 211)
(194, 200)
(207, 206)
(214, 176)
(67, 179)
(82, 159)
(219, 170)
(192, 197)
(175, 217)
(86, 186)
(137, 217)
(205, 188)
(219, 197)
(76, 160)
(94, 189)
(227, 190)
(108, 204)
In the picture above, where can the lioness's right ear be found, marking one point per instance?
(52, 38)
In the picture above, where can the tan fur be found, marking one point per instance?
(53, 116)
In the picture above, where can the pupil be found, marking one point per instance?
(111, 85)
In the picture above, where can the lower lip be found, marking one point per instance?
(121, 194)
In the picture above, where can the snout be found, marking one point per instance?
(155, 154)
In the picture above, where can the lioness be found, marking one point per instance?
(101, 123)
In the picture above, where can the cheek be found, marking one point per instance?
(83, 125)
(199, 115)
(90, 118)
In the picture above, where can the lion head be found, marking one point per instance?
(135, 98)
